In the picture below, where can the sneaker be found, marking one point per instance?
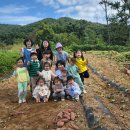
(24, 100)
(77, 98)
(63, 99)
(84, 91)
(55, 100)
(20, 101)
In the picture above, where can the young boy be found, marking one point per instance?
(73, 88)
(34, 67)
(46, 58)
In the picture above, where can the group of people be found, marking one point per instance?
(65, 80)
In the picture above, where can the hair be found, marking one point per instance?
(49, 46)
(40, 78)
(73, 59)
(70, 78)
(81, 54)
(33, 53)
(47, 63)
(47, 52)
(61, 62)
(21, 58)
(26, 40)
(58, 79)
(64, 71)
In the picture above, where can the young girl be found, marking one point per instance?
(73, 71)
(23, 79)
(46, 58)
(47, 74)
(73, 88)
(82, 65)
(41, 91)
(44, 46)
(25, 52)
(60, 54)
(58, 89)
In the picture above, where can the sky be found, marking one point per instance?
(23, 12)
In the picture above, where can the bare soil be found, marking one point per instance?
(112, 109)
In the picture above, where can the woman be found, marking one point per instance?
(44, 46)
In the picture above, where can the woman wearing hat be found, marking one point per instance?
(60, 54)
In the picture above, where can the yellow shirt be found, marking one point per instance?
(22, 74)
(82, 64)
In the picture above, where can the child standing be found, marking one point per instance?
(46, 58)
(25, 52)
(73, 71)
(82, 65)
(58, 89)
(47, 74)
(23, 79)
(41, 91)
(34, 67)
(73, 88)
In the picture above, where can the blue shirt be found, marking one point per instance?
(74, 89)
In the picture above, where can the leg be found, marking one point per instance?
(55, 96)
(86, 74)
(82, 77)
(62, 95)
(20, 92)
(24, 91)
(33, 82)
(80, 83)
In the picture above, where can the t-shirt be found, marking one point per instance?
(21, 74)
(82, 64)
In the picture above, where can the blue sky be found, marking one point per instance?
(28, 11)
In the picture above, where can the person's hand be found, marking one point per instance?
(28, 63)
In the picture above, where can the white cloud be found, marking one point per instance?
(13, 9)
(79, 9)
(22, 20)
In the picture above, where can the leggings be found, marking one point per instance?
(83, 75)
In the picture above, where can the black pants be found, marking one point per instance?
(83, 75)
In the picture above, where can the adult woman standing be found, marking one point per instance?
(44, 46)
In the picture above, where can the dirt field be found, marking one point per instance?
(111, 107)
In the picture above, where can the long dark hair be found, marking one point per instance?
(74, 55)
(49, 46)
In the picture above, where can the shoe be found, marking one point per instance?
(20, 101)
(55, 100)
(24, 100)
(84, 91)
(63, 99)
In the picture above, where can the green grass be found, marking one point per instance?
(8, 58)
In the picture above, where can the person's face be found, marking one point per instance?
(34, 57)
(41, 82)
(59, 49)
(64, 74)
(20, 63)
(28, 44)
(70, 82)
(60, 67)
(47, 67)
(57, 82)
(72, 62)
(47, 56)
(78, 54)
(45, 44)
